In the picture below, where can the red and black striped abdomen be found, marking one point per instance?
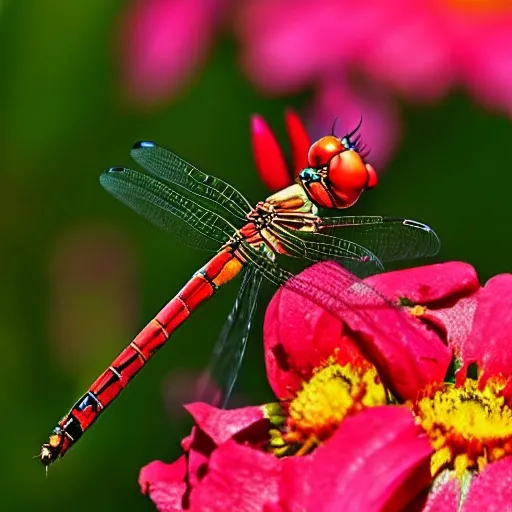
(223, 267)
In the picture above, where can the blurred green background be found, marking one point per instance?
(81, 273)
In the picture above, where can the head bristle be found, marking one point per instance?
(334, 125)
(354, 131)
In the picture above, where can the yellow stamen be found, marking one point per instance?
(417, 310)
(307, 446)
(468, 427)
(333, 392)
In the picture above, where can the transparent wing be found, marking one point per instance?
(319, 247)
(230, 347)
(186, 220)
(364, 310)
(169, 167)
(389, 238)
(268, 269)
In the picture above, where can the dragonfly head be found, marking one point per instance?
(338, 173)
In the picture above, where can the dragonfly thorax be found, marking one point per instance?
(262, 214)
(292, 199)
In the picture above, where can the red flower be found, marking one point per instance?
(336, 352)
(238, 477)
(468, 318)
(299, 334)
(169, 485)
(270, 161)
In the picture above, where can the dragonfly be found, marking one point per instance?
(256, 241)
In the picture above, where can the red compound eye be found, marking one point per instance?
(372, 176)
(348, 176)
(321, 152)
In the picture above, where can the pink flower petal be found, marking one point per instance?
(455, 322)
(239, 478)
(221, 425)
(419, 49)
(491, 490)
(485, 61)
(408, 52)
(280, 50)
(165, 484)
(430, 284)
(377, 460)
(407, 355)
(267, 154)
(444, 495)
(491, 76)
(491, 337)
(298, 336)
(163, 42)
(447, 289)
(198, 447)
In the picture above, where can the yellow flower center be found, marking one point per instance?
(333, 392)
(417, 310)
(468, 427)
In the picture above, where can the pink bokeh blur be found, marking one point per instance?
(358, 58)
